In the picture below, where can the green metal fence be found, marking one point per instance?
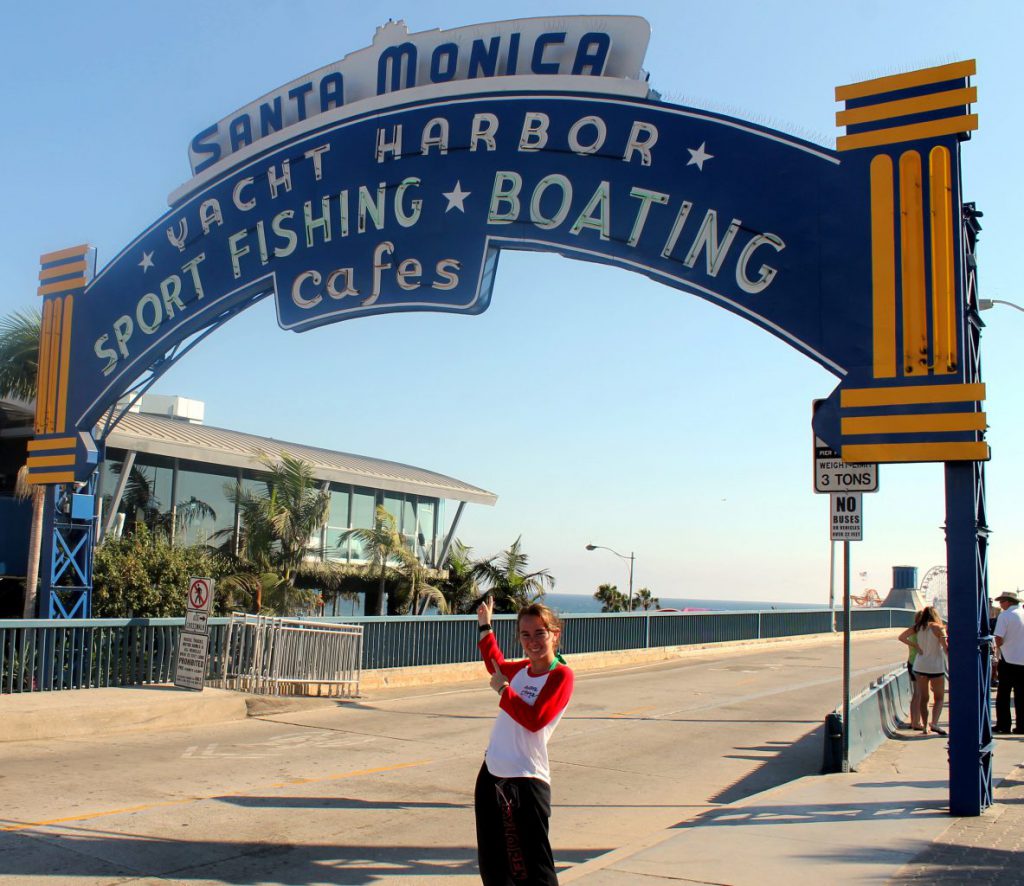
(44, 655)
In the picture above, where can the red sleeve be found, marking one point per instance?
(551, 701)
(489, 649)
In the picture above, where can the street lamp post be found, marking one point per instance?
(631, 559)
(985, 304)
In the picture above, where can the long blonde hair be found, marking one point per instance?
(927, 616)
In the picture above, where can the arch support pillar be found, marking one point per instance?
(971, 741)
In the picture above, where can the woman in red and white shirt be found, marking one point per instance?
(513, 789)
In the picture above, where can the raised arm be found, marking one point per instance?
(490, 652)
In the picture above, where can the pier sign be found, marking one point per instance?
(832, 474)
(847, 518)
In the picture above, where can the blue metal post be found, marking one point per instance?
(971, 742)
(46, 546)
(970, 733)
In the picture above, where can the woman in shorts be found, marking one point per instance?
(915, 697)
(929, 665)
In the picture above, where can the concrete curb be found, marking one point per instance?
(83, 713)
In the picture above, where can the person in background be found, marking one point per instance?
(929, 666)
(513, 789)
(1009, 635)
(994, 611)
(915, 695)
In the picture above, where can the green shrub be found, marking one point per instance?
(143, 576)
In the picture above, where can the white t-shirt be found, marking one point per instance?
(529, 710)
(1010, 626)
(516, 752)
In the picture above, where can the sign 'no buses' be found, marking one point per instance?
(846, 518)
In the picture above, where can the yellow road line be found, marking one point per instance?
(633, 711)
(355, 774)
(89, 816)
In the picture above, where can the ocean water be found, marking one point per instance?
(569, 603)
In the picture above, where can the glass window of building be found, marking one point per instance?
(364, 503)
(393, 502)
(146, 495)
(426, 530)
(337, 523)
(203, 506)
(409, 528)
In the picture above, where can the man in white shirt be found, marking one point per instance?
(1009, 634)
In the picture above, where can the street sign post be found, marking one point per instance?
(200, 594)
(190, 667)
(832, 474)
(194, 642)
(196, 622)
(847, 519)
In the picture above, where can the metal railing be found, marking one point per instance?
(284, 656)
(44, 655)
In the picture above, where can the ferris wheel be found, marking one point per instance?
(933, 590)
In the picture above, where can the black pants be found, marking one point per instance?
(512, 831)
(1011, 679)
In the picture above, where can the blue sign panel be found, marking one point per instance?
(404, 202)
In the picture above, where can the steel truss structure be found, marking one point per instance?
(971, 742)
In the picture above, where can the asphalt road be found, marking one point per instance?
(380, 791)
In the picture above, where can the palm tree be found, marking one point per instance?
(611, 598)
(643, 599)
(506, 578)
(417, 588)
(19, 369)
(19, 354)
(383, 547)
(275, 532)
(460, 587)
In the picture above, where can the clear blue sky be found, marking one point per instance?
(583, 410)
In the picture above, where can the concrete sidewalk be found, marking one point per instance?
(887, 823)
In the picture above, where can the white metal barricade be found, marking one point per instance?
(289, 656)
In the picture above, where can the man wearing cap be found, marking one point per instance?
(1010, 643)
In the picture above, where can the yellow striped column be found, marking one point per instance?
(917, 402)
(63, 276)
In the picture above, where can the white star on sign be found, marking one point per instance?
(456, 198)
(698, 156)
(147, 261)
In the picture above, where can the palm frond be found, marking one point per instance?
(19, 354)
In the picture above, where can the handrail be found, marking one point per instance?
(48, 655)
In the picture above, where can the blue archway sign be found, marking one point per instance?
(393, 180)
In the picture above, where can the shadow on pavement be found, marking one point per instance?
(937, 863)
(781, 763)
(659, 719)
(819, 813)
(65, 855)
(333, 803)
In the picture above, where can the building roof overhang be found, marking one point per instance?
(158, 435)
